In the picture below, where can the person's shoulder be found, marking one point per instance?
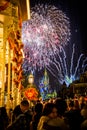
(84, 123)
(55, 121)
(44, 118)
(21, 116)
(57, 124)
(17, 108)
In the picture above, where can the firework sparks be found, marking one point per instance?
(48, 29)
(68, 73)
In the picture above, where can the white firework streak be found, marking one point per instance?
(61, 71)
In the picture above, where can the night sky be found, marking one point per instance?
(76, 12)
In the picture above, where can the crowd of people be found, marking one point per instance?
(58, 114)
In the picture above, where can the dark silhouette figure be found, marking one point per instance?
(4, 119)
(16, 112)
(73, 117)
(36, 116)
(22, 121)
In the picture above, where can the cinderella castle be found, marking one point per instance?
(45, 89)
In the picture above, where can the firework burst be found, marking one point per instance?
(43, 35)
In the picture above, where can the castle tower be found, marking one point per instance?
(46, 79)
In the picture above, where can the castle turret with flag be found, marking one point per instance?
(44, 85)
(46, 79)
(46, 91)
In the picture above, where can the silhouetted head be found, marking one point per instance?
(24, 105)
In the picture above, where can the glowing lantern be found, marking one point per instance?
(31, 79)
(31, 94)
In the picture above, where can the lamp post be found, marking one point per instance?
(31, 79)
(31, 92)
